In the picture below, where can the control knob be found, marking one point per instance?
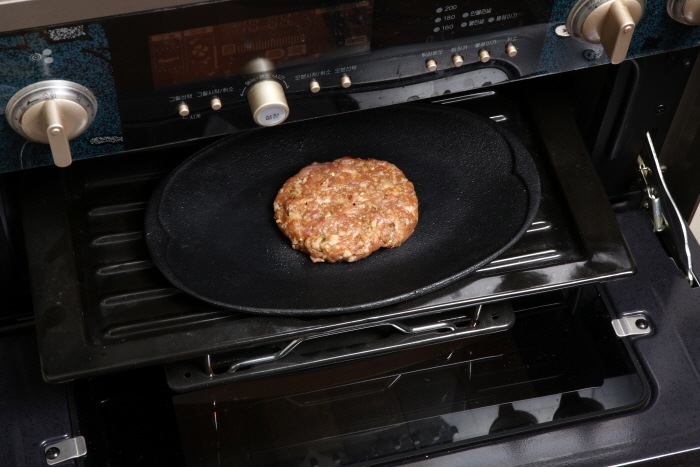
(268, 102)
(684, 11)
(52, 112)
(607, 22)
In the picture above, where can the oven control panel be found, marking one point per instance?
(167, 76)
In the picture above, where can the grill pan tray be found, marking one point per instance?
(210, 230)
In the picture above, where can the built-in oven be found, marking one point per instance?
(568, 335)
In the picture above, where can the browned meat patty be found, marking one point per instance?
(346, 209)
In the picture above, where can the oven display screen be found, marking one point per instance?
(224, 49)
(437, 20)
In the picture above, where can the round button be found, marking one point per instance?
(511, 50)
(271, 115)
(345, 81)
(314, 86)
(183, 109)
(458, 60)
(268, 103)
(431, 64)
(216, 103)
(484, 55)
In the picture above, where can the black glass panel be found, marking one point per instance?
(560, 362)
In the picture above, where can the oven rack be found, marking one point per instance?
(342, 345)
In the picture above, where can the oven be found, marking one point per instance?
(568, 339)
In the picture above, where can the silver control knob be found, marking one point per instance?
(684, 11)
(52, 112)
(608, 22)
(268, 103)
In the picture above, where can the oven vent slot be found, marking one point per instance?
(326, 348)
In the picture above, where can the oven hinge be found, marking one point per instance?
(666, 218)
(65, 449)
(635, 324)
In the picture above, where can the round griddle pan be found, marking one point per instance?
(210, 226)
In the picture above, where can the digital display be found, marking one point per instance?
(438, 20)
(224, 49)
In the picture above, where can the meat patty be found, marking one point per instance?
(346, 209)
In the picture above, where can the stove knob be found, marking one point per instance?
(268, 103)
(607, 22)
(52, 112)
(684, 11)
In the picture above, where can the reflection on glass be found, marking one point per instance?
(285, 39)
(560, 362)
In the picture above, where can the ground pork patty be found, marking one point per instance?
(346, 209)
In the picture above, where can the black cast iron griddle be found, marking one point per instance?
(210, 226)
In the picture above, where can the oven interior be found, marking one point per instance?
(560, 363)
(102, 305)
(526, 343)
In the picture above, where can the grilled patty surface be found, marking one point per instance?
(346, 209)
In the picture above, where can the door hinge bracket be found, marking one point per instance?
(636, 324)
(65, 449)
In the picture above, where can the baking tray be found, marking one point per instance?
(210, 229)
